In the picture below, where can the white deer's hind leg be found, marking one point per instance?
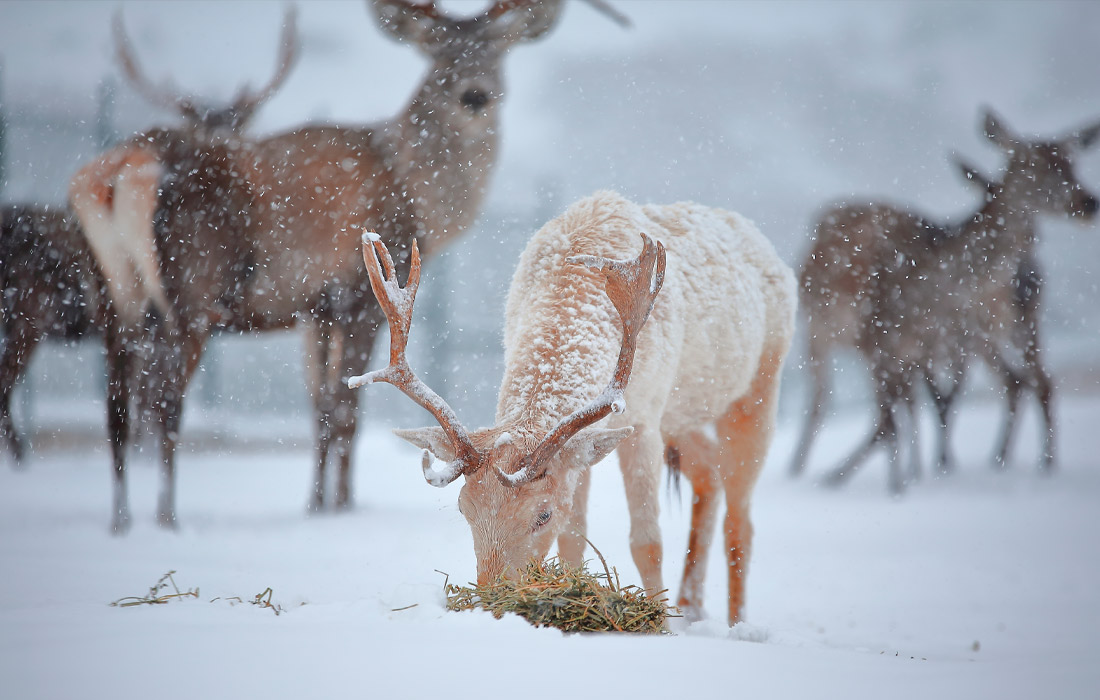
(640, 459)
(744, 435)
(698, 461)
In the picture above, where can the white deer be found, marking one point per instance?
(704, 389)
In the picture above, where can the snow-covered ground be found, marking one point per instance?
(978, 585)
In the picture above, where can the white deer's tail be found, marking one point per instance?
(115, 198)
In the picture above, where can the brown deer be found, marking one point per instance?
(50, 281)
(703, 379)
(49, 288)
(1021, 310)
(313, 191)
(954, 299)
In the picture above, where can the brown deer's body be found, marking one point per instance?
(853, 246)
(703, 376)
(1021, 332)
(923, 315)
(50, 287)
(312, 192)
(122, 200)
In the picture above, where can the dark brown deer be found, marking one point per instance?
(50, 282)
(49, 288)
(312, 191)
(953, 300)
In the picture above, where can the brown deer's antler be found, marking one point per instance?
(155, 94)
(632, 288)
(288, 52)
(245, 103)
(502, 7)
(397, 303)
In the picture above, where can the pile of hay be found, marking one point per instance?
(552, 593)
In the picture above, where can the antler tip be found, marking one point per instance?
(360, 380)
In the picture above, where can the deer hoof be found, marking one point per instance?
(167, 520)
(120, 524)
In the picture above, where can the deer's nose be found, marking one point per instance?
(1090, 206)
(475, 99)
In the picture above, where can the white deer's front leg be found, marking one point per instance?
(640, 459)
(571, 542)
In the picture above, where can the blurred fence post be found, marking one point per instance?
(105, 137)
(3, 130)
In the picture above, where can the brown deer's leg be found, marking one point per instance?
(944, 400)
(178, 352)
(640, 460)
(345, 416)
(1013, 389)
(1045, 391)
(896, 481)
(884, 430)
(744, 434)
(18, 343)
(571, 543)
(699, 460)
(355, 347)
(819, 388)
(120, 347)
(318, 339)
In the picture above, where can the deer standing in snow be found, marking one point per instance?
(49, 288)
(703, 379)
(1022, 334)
(312, 191)
(955, 298)
(51, 283)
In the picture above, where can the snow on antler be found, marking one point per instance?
(604, 345)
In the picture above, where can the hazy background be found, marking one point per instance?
(773, 109)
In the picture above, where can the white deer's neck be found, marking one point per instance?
(560, 353)
(441, 165)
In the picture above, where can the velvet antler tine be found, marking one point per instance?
(397, 304)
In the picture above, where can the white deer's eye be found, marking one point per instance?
(542, 519)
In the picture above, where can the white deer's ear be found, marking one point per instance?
(590, 446)
(433, 440)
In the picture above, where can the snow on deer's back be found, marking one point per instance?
(695, 386)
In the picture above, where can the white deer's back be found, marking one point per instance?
(726, 301)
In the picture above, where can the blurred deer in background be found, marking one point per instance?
(120, 198)
(956, 299)
(314, 190)
(50, 281)
(49, 288)
(703, 379)
(1021, 333)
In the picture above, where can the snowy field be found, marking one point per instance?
(978, 585)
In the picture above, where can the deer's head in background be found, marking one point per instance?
(1039, 175)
